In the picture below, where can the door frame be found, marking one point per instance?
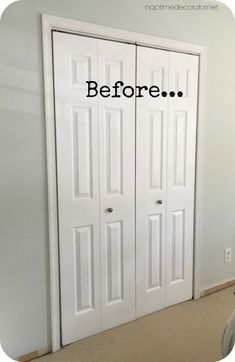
(52, 23)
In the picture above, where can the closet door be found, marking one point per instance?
(165, 172)
(75, 61)
(183, 76)
(117, 185)
(151, 167)
(95, 140)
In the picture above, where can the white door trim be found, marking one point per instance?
(50, 23)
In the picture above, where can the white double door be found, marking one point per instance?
(123, 253)
(165, 177)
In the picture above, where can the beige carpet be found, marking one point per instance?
(188, 332)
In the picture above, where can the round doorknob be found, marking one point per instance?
(159, 202)
(109, 209)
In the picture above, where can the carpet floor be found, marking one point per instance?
(187, 332)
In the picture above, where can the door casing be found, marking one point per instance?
(53, 23)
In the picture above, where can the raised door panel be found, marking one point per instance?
(75, 61)
(183, 77)
(155, 245)
(179, 148)
(84, 273)
(114, 151)
(155, 151)
(151, 152)
(177, 246)
(117, 185)
(80, 69)
(82, 152)
(114, 259)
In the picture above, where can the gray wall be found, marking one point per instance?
(24, 274)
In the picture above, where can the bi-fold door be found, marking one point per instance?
(95, 140)
(165, 168)
(125, 183)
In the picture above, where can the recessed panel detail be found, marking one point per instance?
(113, 71)
(114, 245)
(156, 77)
(114, 151)
(80, 70)
(180, 151)
(182, 82)
(82, 152)
(155, 144)
(178, 240)
(154, 251)
(84, 258)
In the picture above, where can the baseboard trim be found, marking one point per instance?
(32, 355)
(205, 292)
(217, 288)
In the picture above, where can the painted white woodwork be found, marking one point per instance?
(117, 185)
(151, 167)
(75, 58)
(96, 171)
(53, 23)
(166, 138)
(182, 124)
(98, 207)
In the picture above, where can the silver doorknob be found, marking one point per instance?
(159, 202)
(109, 209)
